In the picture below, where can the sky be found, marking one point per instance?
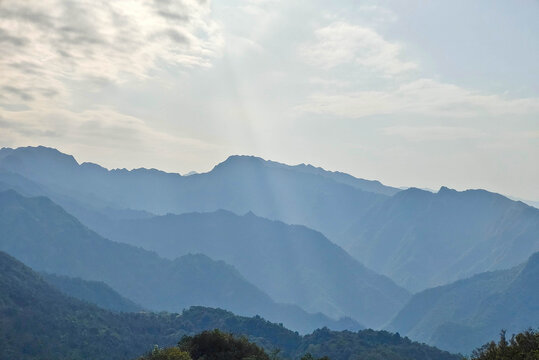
(411, 93)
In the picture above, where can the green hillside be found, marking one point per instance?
(39, 322)
(463, 315)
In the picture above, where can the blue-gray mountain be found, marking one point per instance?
(418, 238)
(42, 235)
(302, 194)
(39, 322)
(93, 292)
(460, 316)
(422, 239)
(292, 263)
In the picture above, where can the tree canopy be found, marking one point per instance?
(523, 346)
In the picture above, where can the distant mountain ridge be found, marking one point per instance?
(43, 235)
(459, 316)
(422, 239)
(374, 186)
(403, 236)
(325, 201)
(292, 263)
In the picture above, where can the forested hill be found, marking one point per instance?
(39, 322)
(462, 315)
(94, 292)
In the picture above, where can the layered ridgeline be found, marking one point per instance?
(302, 194)
(39, 322)
(94, 292)
(463, 315)
(417, 238)
(42, 235)
(293, 264)
(422, 239)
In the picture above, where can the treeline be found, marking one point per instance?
(215, 345)
(523, 346)
(218, 345)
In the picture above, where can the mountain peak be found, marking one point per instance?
(239, 160)
(250, 214)
(446, 190)
(41, 153)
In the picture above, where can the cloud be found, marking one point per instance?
(101, 128)
(434, 133)
(422, 96)
(343, 43)
(48, 43)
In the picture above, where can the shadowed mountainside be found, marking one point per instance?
(422, 239)
(293, 264)
(468, 313)
(42, 235)
(39, 322)
(93, 292)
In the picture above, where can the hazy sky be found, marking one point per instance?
(413, 93)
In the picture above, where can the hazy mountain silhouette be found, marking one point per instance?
(465, 314)
(39, 322)
(292, 263)
(422, 239)
(44, 236)
(94, 292)
(325, 201)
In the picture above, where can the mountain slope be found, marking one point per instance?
(94, 292)
(293, 264)
(422, 239)
(39, 322)
(465, 314)
(322, 200)
(44, 236)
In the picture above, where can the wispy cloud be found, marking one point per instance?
(46, 43)
(434, 133)
(115, 129)
(423, 96)
(118, 139)
(343, 43)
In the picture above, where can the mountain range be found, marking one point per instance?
(321, 246)
(302, 194)
(291, 263)
(403, 234)
(39, 322)
(422, 239)
(458, 316)
(42, 235)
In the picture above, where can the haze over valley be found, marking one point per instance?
(269, 180)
